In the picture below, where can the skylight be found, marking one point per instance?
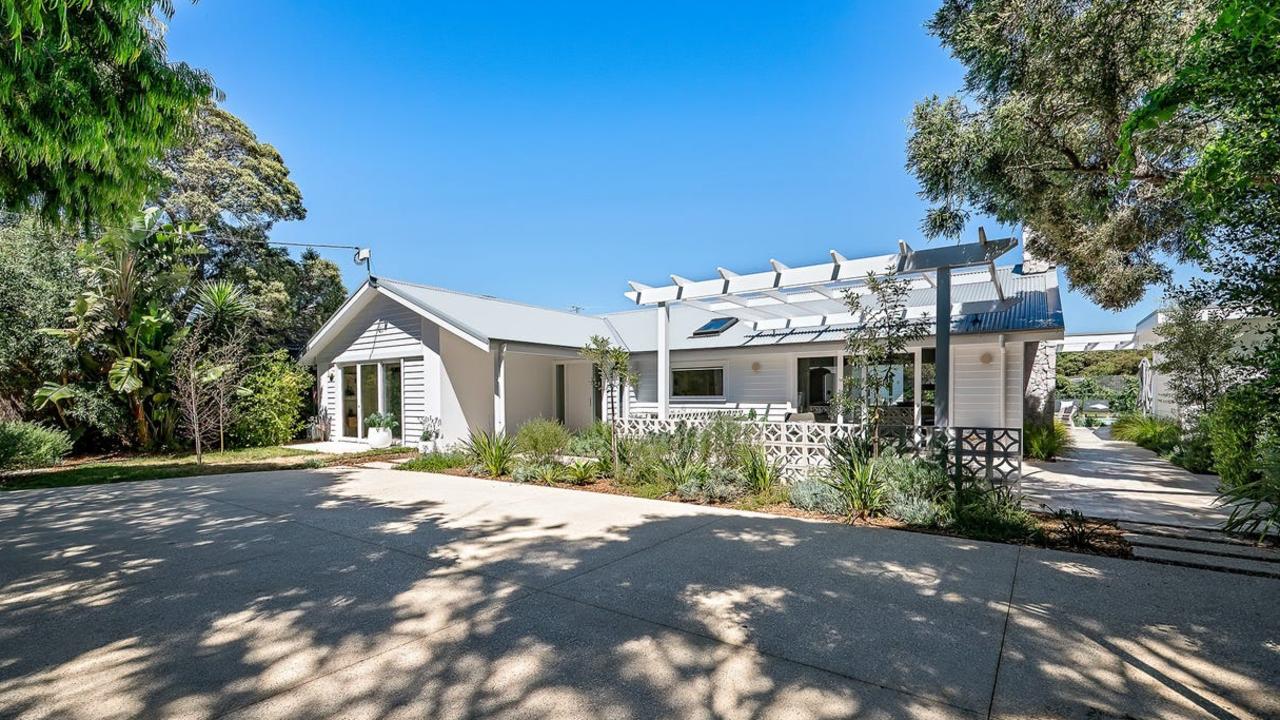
(715, 327)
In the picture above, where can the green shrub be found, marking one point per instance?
(639, 459)
(1233, 427)
(759, 472)
(717, 485)
(917, 511)
(854, 475)
(993, 514)
(722, 441)
(542, 438)
(269, 412)
(1255, 504)
(546, 472)
(816, 495)
(593, 442)
(1047, 441)
(1153, 433)
(915, 490)
(26, 445)
(582, 472)
(435, 462)
(1194, 452)
(493, 454)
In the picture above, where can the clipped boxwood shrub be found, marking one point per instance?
(813, 494)
(25, 445)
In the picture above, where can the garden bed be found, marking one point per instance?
(1104, 538)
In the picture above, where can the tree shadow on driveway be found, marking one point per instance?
(391, 594)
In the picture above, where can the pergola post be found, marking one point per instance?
(942, 353)
(499, 352)
(664, 361)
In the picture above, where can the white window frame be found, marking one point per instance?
(381, 396)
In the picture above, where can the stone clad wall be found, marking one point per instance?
(1042, 378)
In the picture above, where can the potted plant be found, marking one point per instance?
(430, 434)
(380, 426)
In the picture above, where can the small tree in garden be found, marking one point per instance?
(882, 334)
(1197, 348)
(614, 373)
(206, 374)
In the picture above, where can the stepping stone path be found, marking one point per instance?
(1202, 548)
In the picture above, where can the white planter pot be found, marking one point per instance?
(379, 437)
(428, 446)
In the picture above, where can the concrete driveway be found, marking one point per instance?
(378, 593)
(1116, 480)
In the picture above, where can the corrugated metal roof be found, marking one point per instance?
(491, 318)
(1032, 304)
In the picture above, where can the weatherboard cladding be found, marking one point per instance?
(1032, 303)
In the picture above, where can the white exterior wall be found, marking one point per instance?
(760, 381)
(466, 388)
(530, 383)
(978, 387)
(765, 380)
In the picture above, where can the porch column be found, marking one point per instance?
(918, 390)
(664, 361)
(499, 352)
(840, 385)
(942, 354)
(1004, 385)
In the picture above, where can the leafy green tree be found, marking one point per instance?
(876, 345)
(88, 102)
(1198, 350)
(37, 283)
(269, 411)
(236, 188)
(125, 322)
(1050, 86)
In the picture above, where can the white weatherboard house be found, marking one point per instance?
(767, 343)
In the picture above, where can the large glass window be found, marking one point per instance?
(368, 393)
(697, 382)
(350, 407)
(391, 395)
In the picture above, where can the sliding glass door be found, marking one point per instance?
(369, 388)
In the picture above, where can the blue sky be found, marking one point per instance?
(550, 151)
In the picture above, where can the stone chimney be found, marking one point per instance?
(1031, 263)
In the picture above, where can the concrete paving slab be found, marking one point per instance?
(201, 646)
(662, 610)
(1116, 480)
(1097, 637)
(917, 613)
(550, 658)
(1207, 562)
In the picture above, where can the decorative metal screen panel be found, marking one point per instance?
(991, 454)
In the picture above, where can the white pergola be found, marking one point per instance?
(812, 296)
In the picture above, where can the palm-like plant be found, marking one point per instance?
(495, 453)
(221, 303)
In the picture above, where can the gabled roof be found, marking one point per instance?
(1031, 303)
(490, 318)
